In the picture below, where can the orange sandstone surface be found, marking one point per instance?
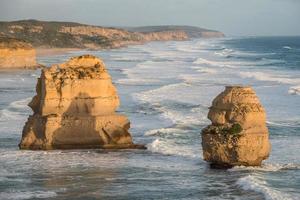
(238, 134)
(16, 54)
(74, 108)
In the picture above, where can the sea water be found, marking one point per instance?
(165, 90)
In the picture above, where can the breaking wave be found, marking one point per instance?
(169, 102)
(237, 64)
(201, 61)
(294, 124)
(162, 131)
(20, 104)
(229, 53)
(170, 147)
(262, 76)
(268, 167)
(255, 184)
(295, 90)
(287, 47)
(15, 110)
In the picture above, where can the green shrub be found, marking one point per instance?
(235, 129)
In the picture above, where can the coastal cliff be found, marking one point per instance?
(75, 108)
(238, 134)
(43, 34)
(189, 31)
(15, 54)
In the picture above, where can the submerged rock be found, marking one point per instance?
(238, 134)
(75, 108)
(16, 54)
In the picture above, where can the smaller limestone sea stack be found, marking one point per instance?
(17, 54)
(74, 108)
(238, 134)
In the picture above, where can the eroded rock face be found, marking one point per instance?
(16, 54)
(75, 108)
(116, 38)
(238, 134)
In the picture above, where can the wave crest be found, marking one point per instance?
(295, 90)
(255, 184)
(268, 167)
(169, 147)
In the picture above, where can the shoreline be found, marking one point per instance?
(54, 51)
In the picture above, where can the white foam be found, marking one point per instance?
(34, 75)
(201, 61)
(267, 167)
(160, 97)
(230, 52)
(172, 131)
(206, 70)
(295, 90)
(237, 64)
(150, 72)
(18, 195)
(20, 104)
(267, 61)
(189, 49)
(10, 113)
(165, 54)
(137, 75)
(171, 92)
(295, 123)
(255, 184)
(224, 53)
(261, 76)
(137, 81)
(287, 47)
(178, 117)
(169, 147)
(6, 115)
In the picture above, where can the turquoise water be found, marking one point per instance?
(165, 90)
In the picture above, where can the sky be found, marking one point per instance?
(232, 17)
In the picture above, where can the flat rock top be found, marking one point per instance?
(12, 43)
(83, 61)
(238, 94)
(80, 67)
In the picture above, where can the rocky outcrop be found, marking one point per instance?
(75, 108)
(238, 134)
(16, 54)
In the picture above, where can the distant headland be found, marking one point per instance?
(50, 34)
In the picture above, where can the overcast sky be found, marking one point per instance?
(233, 17)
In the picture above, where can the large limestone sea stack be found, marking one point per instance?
(17, 54)
(75, 108)
(238, 134)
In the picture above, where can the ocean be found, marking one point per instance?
(165, 89)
